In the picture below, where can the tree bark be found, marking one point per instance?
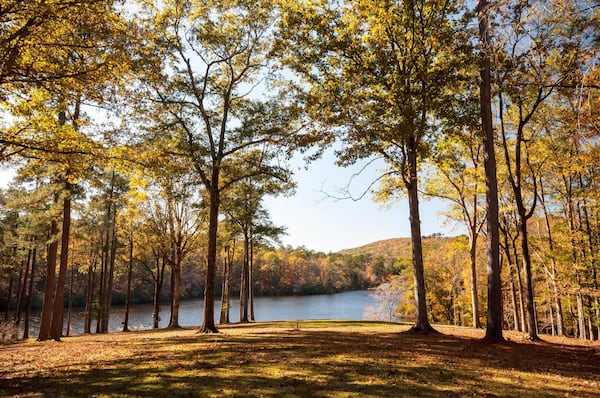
(552, 273)
(70, 305)
(494, 315)
(128, 294)
(47, 307)
(30, 292)
(208, 324)
(244, 294)
(175, 299)
(250, 277)
(473, 264)
(89, 297)
(9, 296)
(225, 300)
(422, 321)
(59, 300)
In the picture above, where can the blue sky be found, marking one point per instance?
(323, 224)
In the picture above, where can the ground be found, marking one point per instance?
(301, 359)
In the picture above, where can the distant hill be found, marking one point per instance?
(399, 247)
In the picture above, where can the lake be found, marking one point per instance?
(352, 305)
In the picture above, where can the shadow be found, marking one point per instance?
(271, 360)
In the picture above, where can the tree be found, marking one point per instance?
(216, 53)
(459, 179)
(378, 72)
(387, 295)
(243, 206)
(537, 53)
(493, 331)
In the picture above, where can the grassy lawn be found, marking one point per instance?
(304, 359)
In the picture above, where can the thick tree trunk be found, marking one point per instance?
(59, 300)
(421, 321)
(495, 313)
(208, 325)
(47, 307)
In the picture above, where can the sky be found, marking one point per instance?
(323, 224)
(319, 223)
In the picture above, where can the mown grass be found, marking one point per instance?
(299, 359)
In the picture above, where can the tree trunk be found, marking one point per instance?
(89, 296)
(244, 294)
(47, 307)
(250, 284)
(59, 300)
(70, 305)
(225, 300)
(176, 290)
(531, 316)
(421, 321)
(473, 264)
(494, 315)
(511, 271)
(21, 293)
(514, 299)
(158, 282)
(128, 294)
(9, 295)
(554, 283)
(208, 324)
(30, 292)
(111, 269)
(524, 324)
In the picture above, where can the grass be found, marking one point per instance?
(300, 359)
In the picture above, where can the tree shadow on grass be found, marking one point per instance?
(313, 363)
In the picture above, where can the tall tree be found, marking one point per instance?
(378, 72)
(493, 330)
(216, 55)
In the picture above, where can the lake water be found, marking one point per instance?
(347, 305)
